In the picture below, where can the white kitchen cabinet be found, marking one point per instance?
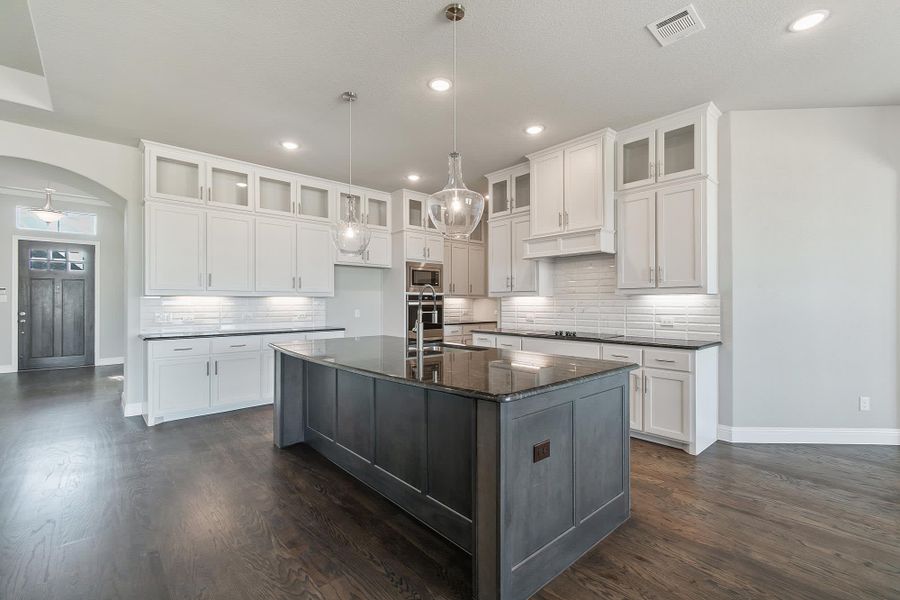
(434, 248)
(667, 404)
(457, 267)
(509, 191)
(275, 192)
(667, 239)
(484, 340)
(316, 199)
(179, 385)
(509, 272)
(377, 210)
(509, 342)
(561, 347)
(315, 260)
(572, 209)
(229, 252)
(175, 249)
(172, 174)
(477, 268)
(499, 256)
(229, 184)
(236, 378)
(636, 400)
(276, 256)
(377, 254)
(415, 247)
(409, 211)
(524, 277)
(673, 147)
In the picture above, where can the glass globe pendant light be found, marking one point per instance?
(47, 213)
(455, 210)
(350, 234)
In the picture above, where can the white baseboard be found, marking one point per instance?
(113, 360)
(8, 369)
(131, 410)
(809, 435)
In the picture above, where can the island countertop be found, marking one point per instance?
(485, 373)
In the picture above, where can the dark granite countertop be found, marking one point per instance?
(630, 340)
(224, 332)
(485, 373)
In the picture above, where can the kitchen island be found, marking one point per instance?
(520, 459)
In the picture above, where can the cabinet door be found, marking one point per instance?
(267, 374)
(584, 186)
(499, 196)
(500, 256)
(667, 404)
(175, 248)
(678, 148)
(478, 232)
(523, 271)
(229, 252)
(229, 184)
(379, 251)
(636, 399)
(378, 210)
(415, 246)
(315, 199)
(476, 271)
(276, 193)
(315, 259)
(520, 186)
(636, 240)
(180, 384)
(679, 236)
(434, 248)
(236, 378)
(509, 342)
(175, 175)
(547, 176)
(636, 158)
(275, 256)
(459, 269)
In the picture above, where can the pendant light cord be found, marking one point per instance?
(455, 85)
(350, 166)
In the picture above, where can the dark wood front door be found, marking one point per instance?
(56, 305)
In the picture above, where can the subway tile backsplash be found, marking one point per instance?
(204, 312)
(584, 299)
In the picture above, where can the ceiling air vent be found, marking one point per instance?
(676, 26)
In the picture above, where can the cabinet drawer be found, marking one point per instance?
(562, 347)
(184, 347)
(630, 354)
(509, 342)
(482, 339)
(676, 360)
(452, 330)
(238, 343)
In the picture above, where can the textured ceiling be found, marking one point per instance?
(234, 77)
(18, 46)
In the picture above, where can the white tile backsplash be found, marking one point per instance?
(584, 299)
(201, 312)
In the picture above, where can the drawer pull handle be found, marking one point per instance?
(665, 360)
(619, 355)
(182, 349)
(237, 346)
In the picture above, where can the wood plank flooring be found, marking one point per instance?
(96, 506)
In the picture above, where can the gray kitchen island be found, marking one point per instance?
(520, 459)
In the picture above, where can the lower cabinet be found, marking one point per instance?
(667, 404)
(179, 384)
(236, 378)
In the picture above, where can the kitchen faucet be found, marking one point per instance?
(420, 329)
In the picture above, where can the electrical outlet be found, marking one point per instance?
(666, 321)
(356, 313)
(540, 451)
(865, 403)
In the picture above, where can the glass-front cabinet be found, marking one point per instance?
(275, 193)
(229, 184)
(415, 211)
(175, 175)
(678, 148)
(315, 199)
(378, 210)
(637, 158)
(510, 191)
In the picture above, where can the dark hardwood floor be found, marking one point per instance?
(93, 505)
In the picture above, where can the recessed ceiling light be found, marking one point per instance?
(241, 184)
(413, 177)
(440, 84)
(534, 129)
(809, 20)
(290, 145)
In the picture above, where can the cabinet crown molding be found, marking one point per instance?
(606, 132)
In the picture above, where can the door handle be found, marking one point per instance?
(207, 368)
(559, 219)
(299, 282)
(209, 280)
(651, 170)
(217, 367)
(201, 193)
(209, 194)
(470, 288)
(293, 282)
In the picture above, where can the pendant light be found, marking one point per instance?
(455, 210)
(349, 233)
(47, 213)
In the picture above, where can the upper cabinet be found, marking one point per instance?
(229, 184)
(572, 203)
(171, 174)
(674, 147)
(315, 199)
(409, 210)
(509, 191)
(276, 192)
(510, 273)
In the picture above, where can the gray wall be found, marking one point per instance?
(110, 257)
(810, 242)
(356, 288)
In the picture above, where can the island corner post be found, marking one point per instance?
(524, 486)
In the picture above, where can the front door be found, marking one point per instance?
(56, 305)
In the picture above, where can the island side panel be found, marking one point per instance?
(486, 552)
(288, 410)
(555, 508)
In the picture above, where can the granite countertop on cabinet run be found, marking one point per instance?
(225, 332)
(484, 373)
(630, 340)
(469, 323)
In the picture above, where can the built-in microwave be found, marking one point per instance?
(418, 275)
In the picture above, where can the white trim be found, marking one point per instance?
(7, 369)
(112, 360)
(809, 435)
(15, 283)
(131, 410)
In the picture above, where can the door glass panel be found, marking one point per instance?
(81, 223)
(377, 212)
(37, 253)
(636, 161)
(314, 201)
(499, 197)
(57, 266)
(348, 200)
(177, 178)
(523, 190)
(57, 255)
(38, 265)
(229, 187)
(76, 266)
(679, 150)
(274, 195)
(415, 211)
